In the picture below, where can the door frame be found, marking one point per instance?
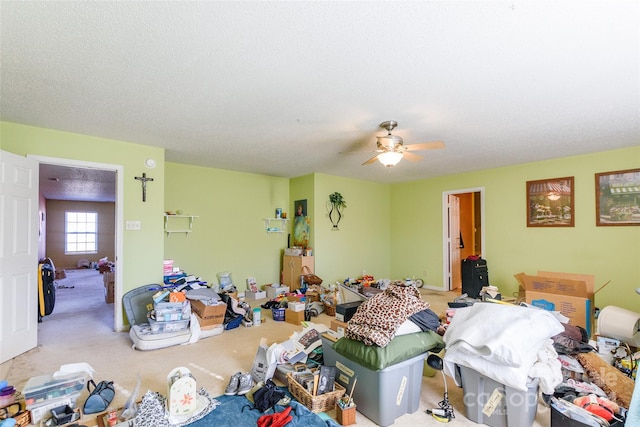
(118, 324)
(445, 227)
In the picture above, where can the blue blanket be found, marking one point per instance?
(236, 411)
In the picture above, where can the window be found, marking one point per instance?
(81, 232)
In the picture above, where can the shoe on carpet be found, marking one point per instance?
(246, 384)
(234, 384)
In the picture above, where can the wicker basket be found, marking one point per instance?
(330, 309)
(23, 418)
(321, 403)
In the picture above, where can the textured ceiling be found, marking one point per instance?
(75, 183)
(282, 88)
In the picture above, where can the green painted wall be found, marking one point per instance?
(390, 231)
(229, 233)
(363, 240)
(143, 249)
(609, 253)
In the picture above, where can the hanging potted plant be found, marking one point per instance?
(335, 206)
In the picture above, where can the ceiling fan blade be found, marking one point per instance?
(360, 151)
(411, 156)
(371, 160)
(425, 146)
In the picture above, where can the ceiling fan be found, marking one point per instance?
(391, 148)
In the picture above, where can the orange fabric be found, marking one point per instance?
(597, 405)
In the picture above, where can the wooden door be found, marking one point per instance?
(455, 266)
(18, 255)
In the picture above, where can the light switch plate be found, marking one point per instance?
(132, 225)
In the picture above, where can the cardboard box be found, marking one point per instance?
(209, 312)
(60, 274)
(294, 317)
(108, 293)
(108, 277)
(292, 296)
(169, 279)
(255, 295)
(570, 294)
(312, 296)
(274, 291)
(296, 306)
(210, 321)
(339, 327)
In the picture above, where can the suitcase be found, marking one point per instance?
(135, 304)
(46, 290)
(474, 276)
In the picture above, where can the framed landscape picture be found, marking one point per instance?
(618, 198)
(550, 203)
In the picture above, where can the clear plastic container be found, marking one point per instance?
(171, 326)
(46, 387)
(224, 278)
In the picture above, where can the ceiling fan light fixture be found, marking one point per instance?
(390, 158)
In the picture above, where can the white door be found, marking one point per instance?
(455, 266)
(18, 255)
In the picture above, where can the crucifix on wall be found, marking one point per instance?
(144, 180)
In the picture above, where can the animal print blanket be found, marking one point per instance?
(377, 319)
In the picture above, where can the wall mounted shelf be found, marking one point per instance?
(186, 231)
(280, 227)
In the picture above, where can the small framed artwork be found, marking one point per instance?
(618, 198)
(550, 203)
(301, 224)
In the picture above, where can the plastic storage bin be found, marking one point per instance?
(516, 408)
(169, 311)
(46, 387)
(382, 396)
(171, 326)
(560, 420)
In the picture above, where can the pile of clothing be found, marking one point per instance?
(397, 310)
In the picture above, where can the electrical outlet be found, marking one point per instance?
(133, 225)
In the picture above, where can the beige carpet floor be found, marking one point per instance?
(80, 329)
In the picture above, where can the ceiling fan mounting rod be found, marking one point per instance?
(389, 125)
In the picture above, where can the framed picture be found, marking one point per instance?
(618, 197)
(550, 203)
(301, 224)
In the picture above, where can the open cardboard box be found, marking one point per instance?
(570, 294)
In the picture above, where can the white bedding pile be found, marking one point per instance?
(507, 343)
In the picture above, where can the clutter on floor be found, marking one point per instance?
(542, 343)
(374, 354)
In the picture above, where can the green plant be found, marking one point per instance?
(337, 200)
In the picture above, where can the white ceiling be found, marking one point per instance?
(76, 183)
(282, 88)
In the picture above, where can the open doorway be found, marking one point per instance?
(463, 232)
(70, 185)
